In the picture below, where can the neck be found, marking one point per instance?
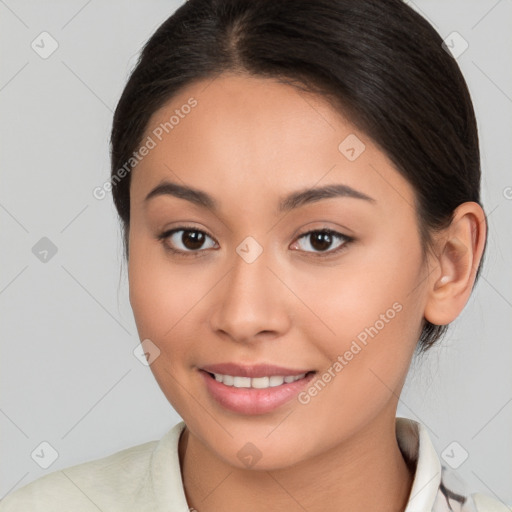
(365, 472)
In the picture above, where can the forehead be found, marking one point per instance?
(235, 134)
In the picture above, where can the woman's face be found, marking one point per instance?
(250, 294)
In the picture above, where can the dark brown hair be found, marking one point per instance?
(377, 61)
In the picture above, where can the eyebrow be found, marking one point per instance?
(287, 203)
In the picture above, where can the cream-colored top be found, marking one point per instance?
(147, 478)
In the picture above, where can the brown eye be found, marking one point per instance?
(185, 240)
(192, 240)
(321, 240)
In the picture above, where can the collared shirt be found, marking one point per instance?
(147, 478)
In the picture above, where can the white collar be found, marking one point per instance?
(417, 448)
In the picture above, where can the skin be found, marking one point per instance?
(290, 307)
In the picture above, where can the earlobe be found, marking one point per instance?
(459, 252)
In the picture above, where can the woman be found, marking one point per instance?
(298, 184)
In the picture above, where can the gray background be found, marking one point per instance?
(68, 373)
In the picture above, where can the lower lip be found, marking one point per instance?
(253, 401)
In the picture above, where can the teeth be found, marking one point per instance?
(256, 382)
(242, 382)
(260, 382)
(228, 380)
(275, 380)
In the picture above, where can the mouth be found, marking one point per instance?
(253, 390)
(270, 381)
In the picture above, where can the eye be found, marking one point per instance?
(183, 240)
(188, 241)
(321, 239)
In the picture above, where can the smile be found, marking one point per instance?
(257, 389)
(256, 382)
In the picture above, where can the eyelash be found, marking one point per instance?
(166, 234)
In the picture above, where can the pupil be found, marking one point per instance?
(324, 240)
(192, 239)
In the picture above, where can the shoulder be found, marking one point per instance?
(110, 483)
(484, 503)
(436, 488)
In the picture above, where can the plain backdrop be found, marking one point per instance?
(69, 376)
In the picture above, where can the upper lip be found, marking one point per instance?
(253, 371)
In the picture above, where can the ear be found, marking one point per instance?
(459, 250)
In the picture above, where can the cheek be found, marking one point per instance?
(375, 292)
(161, 293)
(163, 297)
(373, 308)
(170, 303)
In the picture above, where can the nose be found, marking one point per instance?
(251, 303)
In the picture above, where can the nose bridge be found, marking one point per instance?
(250, 300)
